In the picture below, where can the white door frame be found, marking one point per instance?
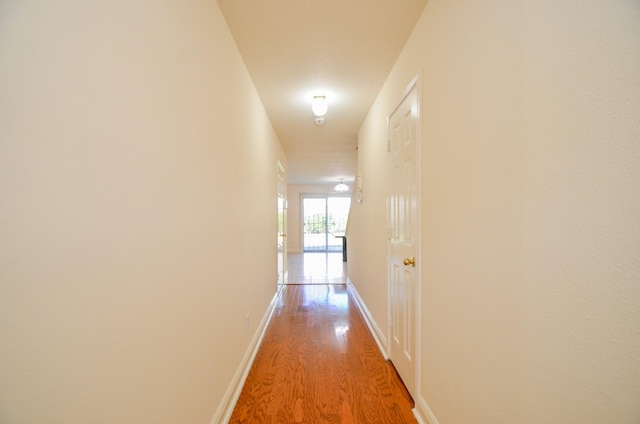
(281, 189)
(415, 84)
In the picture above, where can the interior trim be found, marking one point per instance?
(375, 330)
(230, 398)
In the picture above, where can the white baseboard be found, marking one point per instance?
(423, 413)
(378, 334)
(418, 415)
(223, 414)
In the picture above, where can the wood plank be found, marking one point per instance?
(318, 363)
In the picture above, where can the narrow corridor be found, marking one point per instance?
(318, 362)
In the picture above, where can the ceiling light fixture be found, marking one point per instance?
(342, 187)
(319, 106)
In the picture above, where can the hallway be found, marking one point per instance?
(318, 362)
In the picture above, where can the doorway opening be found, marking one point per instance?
(282, 221)
(324, 218)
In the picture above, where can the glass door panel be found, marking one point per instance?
(315, 224)
(324, 217)
(337, 215)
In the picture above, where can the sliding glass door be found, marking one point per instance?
(324, 219)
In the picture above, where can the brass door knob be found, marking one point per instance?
(410, 261)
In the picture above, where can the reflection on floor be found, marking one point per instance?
(335, 296)
(316, 268)
(319, 364)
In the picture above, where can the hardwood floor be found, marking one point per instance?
(316, 268)
(318, 363)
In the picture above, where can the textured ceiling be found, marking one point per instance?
(344, 49)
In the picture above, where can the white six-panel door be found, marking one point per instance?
(403, 236)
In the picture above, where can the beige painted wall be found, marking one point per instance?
(128, 255)
(294, 212)
(530, 234)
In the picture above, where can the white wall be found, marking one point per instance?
(530, 230)
(126, 129)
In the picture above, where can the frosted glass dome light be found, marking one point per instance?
(319, 105)
(341, 188)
